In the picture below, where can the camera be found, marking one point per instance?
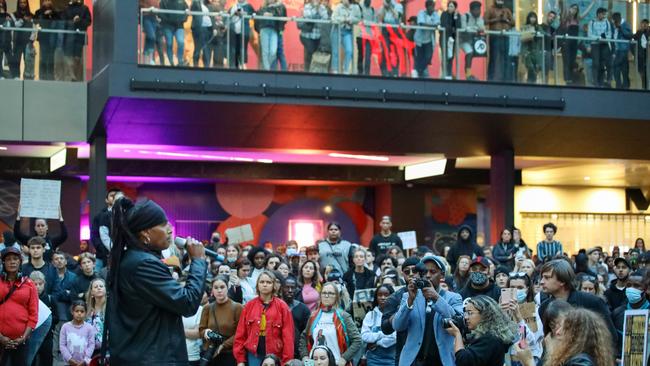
(215, 339)
(420, 283)
(457, 320)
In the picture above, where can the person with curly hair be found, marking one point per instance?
(491, 334)
(582, 340)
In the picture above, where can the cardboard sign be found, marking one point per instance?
(240, 234)
(635, 338)
(40, 198)
(409, 239)
(362, 304)
(528, 312)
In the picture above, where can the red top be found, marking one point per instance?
(279, 330)
(20, 310)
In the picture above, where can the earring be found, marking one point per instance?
(146, 240)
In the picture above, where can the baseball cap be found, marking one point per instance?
(482, 261)
(437, 260)
(10, 250)
(621, 259)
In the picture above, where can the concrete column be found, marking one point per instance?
(97, 171)
(501, 198)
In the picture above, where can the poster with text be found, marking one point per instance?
(40, 198)
(635, 338)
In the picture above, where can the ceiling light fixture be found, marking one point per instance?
(3, 148)
(423, 170)
(265, 161)
(359, 157)
(587, 178)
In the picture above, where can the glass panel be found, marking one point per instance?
(541, 43)
(42, 51)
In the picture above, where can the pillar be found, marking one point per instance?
(97, 167)
(501, 197)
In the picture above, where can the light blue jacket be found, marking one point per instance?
(448, 304)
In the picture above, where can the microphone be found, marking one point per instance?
(182, 242)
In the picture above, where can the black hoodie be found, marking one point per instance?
(463, 247)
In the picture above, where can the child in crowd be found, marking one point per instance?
(77, 340)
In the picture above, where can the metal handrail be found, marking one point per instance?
(42, 30)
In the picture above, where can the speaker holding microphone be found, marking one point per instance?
(182, 243)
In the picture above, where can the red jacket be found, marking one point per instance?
(20, 310)
(279, 330)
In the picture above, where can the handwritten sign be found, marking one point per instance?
(40, 198)
(240, 234)
(635, 338)
(528, 312)
(409, 239)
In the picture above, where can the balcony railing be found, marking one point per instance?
(35, 53)
(332, 46)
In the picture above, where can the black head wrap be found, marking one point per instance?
(145, 215)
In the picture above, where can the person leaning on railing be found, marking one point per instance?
(7, 20)
(345, 17)
(240, 33)
(642, 36)
(425, 38)
(172, 27)
(310, 32)
(498, 18)
(46, 17)
(24, 41)
(472, 23)
(530, 44)
(78, 18)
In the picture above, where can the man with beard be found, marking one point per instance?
(479, 281)
(465, 245)
(409, 269)
(422, 312)
(615, 294)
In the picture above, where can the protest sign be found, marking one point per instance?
(240, 234)
(635, 338)
(409, 239)
(40, 198)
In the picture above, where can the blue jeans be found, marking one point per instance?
(149, 26)
(36, 340)
(171, 33)
(282, 61)
(269, 45)
(346, 42)
(254, 360)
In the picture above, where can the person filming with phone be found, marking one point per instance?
(425, 310)
(491, 334)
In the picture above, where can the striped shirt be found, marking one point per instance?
(548, 250)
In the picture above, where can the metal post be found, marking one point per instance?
(140, 45)
(457, 54)
(443, 59)
(537, 34)
(339, 69)
(227, 24)
(243, 43)
(84, 57)
(647, 67)
(556, 68)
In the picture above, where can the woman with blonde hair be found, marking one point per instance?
(96, 300)
(331, 326)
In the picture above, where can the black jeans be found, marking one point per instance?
(364, 58)
(621, 70)
(498, 62)
(14, 357)
(602, 63)
(310, 46)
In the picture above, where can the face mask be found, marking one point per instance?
(521, 295)
(478, 278)
(633, 295)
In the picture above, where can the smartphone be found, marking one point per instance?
(507, 295)
(523, 344)
(308, 363)
(233, 272)
(171, 269)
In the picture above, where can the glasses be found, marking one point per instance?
(328, 294)
(408, 271)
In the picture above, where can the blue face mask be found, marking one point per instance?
(521, 295)
(634, 296)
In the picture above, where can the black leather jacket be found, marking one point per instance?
(145, 324)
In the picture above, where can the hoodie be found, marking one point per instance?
(463, 247)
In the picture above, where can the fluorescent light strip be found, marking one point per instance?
(423, 170)
(359, 157)
(3, 148)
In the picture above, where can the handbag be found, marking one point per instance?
(320, 62)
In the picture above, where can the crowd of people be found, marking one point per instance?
(242, 304)
(59, 34)
(334, 36)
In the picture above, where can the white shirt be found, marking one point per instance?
(327, 329)
(193, 345)
(206, 21)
